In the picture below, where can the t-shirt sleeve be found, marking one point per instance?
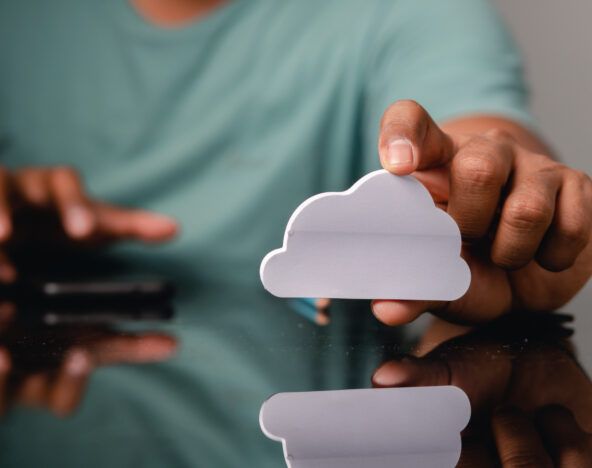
(454, 57)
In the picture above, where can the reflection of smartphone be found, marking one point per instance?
(102, 315)
(93, 292)
(104, 290)
(93, 301)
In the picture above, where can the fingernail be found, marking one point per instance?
(4, 230)
(78, 363)
(7, 273)
(323, 319)
(323, 303)
(160, 218)
(392, 374)
(400, 153)
(4, 361)
(160, 222)
(155, 349)
(79, 221)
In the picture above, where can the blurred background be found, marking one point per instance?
(556, 40)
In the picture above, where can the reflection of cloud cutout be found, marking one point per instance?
(373, 428)
(382, 238)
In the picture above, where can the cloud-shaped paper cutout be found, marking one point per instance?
(383, 238)
(373, 428)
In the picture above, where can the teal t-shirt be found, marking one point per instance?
(229, 123)
(226, 124)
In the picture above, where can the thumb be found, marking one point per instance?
(410, 140)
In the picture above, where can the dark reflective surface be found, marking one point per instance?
(139, 386)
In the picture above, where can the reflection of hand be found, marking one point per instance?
(59, 384)
(530, 399)
(51, 205)
(528, 218)
(550, 438)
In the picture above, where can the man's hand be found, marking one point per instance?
(525, 219)
(51, 205)
(530, 399)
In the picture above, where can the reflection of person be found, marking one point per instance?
(226, 114)
(531, 401)
(56, 376)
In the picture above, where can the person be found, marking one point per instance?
(227, 114)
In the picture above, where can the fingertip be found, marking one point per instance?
(7, 313)
(79, 222)
(5, 229)
(555, 257)
(155, 227)
(78, 362)
(155, 347)
(555, 265)
(8, 273)
(392, 374)
(508, 262)
(169, 343)
(394, 313)
(67, 389)
(5, 361)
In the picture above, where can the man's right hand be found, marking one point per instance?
(51, 205)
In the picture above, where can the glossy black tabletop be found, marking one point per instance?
(180, 382)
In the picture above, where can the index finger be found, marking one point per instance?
(71, 201)
(147, 226)
(132, 349)
(410, 140)
(517, 440)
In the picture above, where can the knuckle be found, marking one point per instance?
(479, 169)
(587, 193)
(28, 174)
(529, 213)
(499, 134)
(510, 259)
(583, 178)
(548, 166)
(79, 360)
(65, 172)
(554, 264)
(576, 233)
(521, 459)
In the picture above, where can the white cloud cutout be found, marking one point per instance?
(382, 239)
(373, 428)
